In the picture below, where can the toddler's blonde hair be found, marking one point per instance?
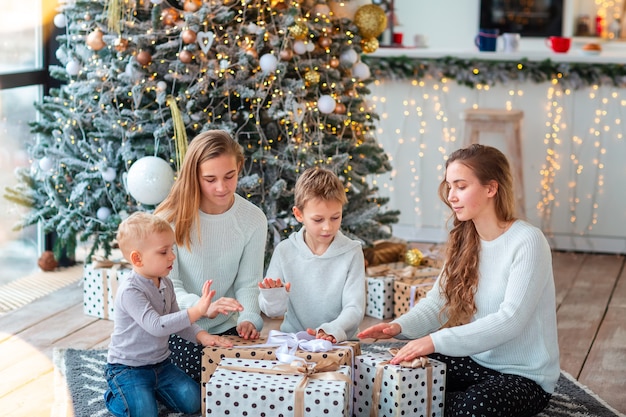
(133, 231)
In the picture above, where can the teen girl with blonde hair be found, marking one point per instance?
(219, 236)
(491, 315)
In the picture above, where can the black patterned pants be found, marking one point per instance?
(188, 355)
(473, 390)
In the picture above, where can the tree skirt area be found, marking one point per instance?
(82, 371)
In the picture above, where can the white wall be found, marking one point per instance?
(446, 23)
(578, 136)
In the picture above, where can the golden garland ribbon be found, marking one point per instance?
(421, 362)
(324, 370)
(180, 134)
(114, 16)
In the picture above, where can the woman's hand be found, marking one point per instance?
(224, 305)
(414, 349)
(246, 330)
(273, 283)
(321, 334)
(381, 331)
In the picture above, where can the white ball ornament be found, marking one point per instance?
(103, 213)
(161, 86)
(60, 21)
(73, 67)
(361, 71)
(109, 174)
(326, 104)
(150, 180)
(268, 63)
(348, 57)
(46, 164)
(310, 46)
(299, 47)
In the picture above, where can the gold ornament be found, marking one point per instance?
(333, 62)
(189, 36)
(144, 58)
(120, 44)
(299, 30)
(95, 41)
(325, 42)
(369, 45)
(371, 20)
(185, 56)
(286, 54)
(192, 5)
(311, 77)
(413, 257)
(169, 16)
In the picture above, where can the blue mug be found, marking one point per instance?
(486, 40)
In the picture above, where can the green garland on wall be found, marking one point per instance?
(473, 72)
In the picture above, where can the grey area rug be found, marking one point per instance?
(83, 373)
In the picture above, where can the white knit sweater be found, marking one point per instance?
(514, 329)
(231, 252)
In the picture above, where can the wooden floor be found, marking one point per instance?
(591, 297)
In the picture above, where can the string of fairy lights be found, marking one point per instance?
(575, 152)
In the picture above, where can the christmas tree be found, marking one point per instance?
(141, 78)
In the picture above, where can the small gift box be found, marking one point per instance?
(408, 291)
(241, 387)
(379, 301)
(414, 388)
(100, 281)
(278, 345)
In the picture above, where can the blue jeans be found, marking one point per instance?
(134, 390)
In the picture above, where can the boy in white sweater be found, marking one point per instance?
(316, 277)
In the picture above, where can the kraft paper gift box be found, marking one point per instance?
(100, 282)
(407, 292)
(241, 387)
(410, 389)
(259, 349)
(379, 302)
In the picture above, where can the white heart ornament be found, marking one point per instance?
(205, 40)
(298, 111)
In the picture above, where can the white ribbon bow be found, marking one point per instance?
(289, 343)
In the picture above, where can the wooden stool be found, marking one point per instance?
(508, 122)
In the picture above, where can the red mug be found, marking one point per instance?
(558, 43)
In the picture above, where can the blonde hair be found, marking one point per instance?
(133, 231)
(181, 206)
(463, 248)
(319, 183)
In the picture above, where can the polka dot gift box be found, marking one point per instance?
(408, 291)
(248, 387)
(395, 390)
(100, 282)
(379, 302)
(343, 353)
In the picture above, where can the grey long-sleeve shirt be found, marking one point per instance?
(144, 318)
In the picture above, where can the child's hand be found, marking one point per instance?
(273, 283)
(207, 339)
(321, 334)
(206, 297)
(224, 305)
(246, 330)
(198, 311)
